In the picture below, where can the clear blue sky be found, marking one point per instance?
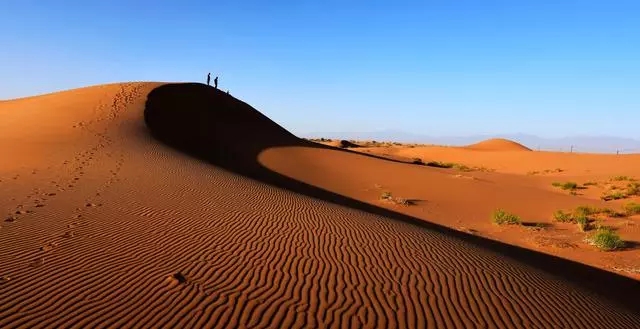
(551, 68)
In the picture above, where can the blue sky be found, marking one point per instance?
(550, 68)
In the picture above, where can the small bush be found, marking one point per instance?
(417, 161)
(621, 178)
(633, 189)
(386, 196)
(586, 210)
(606, 239)
(583, 222)
(611, 213)
(438, 164)
(501, 217)
(632, 208)
(613, 196)
(562, 217)
(566, 185)
(590, 184)
(461, 167)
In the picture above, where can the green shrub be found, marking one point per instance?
(583, 222)
(417, 161)
(611, 213)
(622, 178)
(586, 210)
(566, 185)
(632, 208)
(606, 239)
(611, 195)
(502, 217)
(633, 189)
(562, 216)
(590, 183)
(438, 164)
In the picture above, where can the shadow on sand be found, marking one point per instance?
(222, 130)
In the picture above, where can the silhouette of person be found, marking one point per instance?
(208, 79)
(215, 82)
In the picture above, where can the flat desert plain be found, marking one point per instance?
(159, 205)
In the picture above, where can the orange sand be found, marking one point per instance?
(222, 218)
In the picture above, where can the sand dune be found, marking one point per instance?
(498, 144)
(238, 223)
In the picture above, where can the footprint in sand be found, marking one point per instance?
(38, 262)
(49, 246)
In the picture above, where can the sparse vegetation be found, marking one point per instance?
(613, 195)
(501, 217)
(546, 171)
(606, 239)
(566, 185)
(632, 208)
(457, 166)
(586, 210)
(438, 164)
(590, 184)
(387, 196)
(583, 222)
(633, 189)
(417, 161)
(622, 178)
(562, 217)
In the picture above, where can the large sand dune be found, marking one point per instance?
(222, 218)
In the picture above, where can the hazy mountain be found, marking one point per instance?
(598, 144)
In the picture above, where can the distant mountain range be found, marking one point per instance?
(591, 144)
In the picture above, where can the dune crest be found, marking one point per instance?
(498, 144)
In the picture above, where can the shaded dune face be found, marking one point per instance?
(212, 124)
(172, 242)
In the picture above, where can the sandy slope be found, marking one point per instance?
(112, 228)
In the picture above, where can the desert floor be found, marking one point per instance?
(152, 205)
(501, 174)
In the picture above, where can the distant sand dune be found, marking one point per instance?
(207, 233)
(498, 144)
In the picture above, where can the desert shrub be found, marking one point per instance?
(633, 189)
(438, 164)
(586, 210)
(386, 195)
(590, 183)
(404, 201)
(632, 208)
(611, 213)
(417, 161)
(621, 178)
(583, 222)
(502, 217)
(606, 239)
(461, 167)
(566, 185)
(613, 195)
(562, 217)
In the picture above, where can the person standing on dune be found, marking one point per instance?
(208, 79)
(215, 83)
